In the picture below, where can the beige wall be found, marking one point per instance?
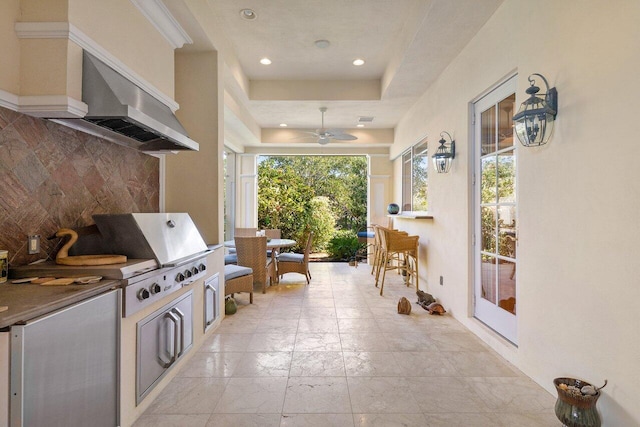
(194, 180)
(578, 196)
(54, 67)
(10, 64)
(119, 27)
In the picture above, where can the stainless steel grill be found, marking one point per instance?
(165, 252)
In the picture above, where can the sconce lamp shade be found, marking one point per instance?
(533, 123)
(443, 155)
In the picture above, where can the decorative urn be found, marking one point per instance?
(393, 208)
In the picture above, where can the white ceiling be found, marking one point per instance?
(406, 44)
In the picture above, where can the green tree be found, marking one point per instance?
(284, 200)
(322, 222)
(343, 179)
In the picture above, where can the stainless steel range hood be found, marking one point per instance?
(124, 113)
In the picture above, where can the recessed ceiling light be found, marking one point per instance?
(358, 62)
(248, 14)
(322, 44)
(360, 125)
(283, 125)
(265, 61)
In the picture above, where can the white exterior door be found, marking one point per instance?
(495, 211)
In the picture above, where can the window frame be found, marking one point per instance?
(409, 158)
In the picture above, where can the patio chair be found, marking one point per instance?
(245, 232)
(398, 252)
(272, 233)
(252, 253)
(296, 263)
(238, 279)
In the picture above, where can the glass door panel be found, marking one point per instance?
(496, 211)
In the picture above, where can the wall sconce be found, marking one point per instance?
(443, 156)
(533, 123)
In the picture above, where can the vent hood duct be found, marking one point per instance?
(122, 112)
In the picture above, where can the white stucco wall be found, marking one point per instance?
(578, 196)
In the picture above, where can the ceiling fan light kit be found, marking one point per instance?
(324, 136)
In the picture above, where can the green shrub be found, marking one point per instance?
(344, 245)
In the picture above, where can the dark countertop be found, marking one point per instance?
(26, 301)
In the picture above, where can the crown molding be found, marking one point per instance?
(49, 106)
(157, 13)
(66, 30)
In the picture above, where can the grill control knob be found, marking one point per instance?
(187, 273)
(202, 267)
(155, 288)
(179, 277)
(195, 270)
(143, 294)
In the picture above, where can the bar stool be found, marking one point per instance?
(399, 251)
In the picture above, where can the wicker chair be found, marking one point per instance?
(245, 232)
(398, 252)
(296, 263)
(252, 253)
(238, 279)
(272, 233)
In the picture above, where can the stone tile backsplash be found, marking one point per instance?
(53, 177)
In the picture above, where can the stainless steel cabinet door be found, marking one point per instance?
(163, 337)
(64, 366)
(211, 301)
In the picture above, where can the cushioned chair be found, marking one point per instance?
(238, 279)
(296, 263)
(252, 253)
(245, 232)
(272, 233)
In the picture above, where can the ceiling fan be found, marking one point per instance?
(324, 135)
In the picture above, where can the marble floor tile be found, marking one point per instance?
(272, 342)
(424, 364)
(513, 395)
(211, 365)
(318, 302)
(389, 420)
(189, 396)
(480, 364)
(318, 325)
(336, 353)
(375, 395)
(353, 313)
(242, 420)
(409, 341)
(317, 342)
(317, 364)
(472, 419)
(317, 395)
(457, 341)
(237, 325)
(277, 326)
(263, 395)
(316, 420)
(361, 325)
(264, 364)
(226, 342)
(364, 342)
(171, 420)
(321, 312)
(446, 394)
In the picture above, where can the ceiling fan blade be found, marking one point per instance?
(344, 137)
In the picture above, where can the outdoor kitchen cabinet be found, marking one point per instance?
(65, 366)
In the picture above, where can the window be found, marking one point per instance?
(415, 162)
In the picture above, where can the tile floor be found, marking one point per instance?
(335, 353)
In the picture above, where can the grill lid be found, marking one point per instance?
(169, 238)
